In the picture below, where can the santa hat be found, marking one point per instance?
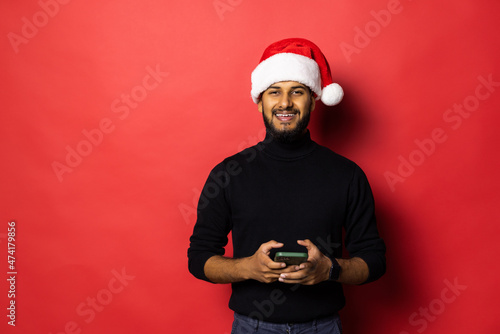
(296, 59)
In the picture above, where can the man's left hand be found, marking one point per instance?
(315, 270)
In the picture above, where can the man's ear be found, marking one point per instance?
(313, 103)
(259, 106)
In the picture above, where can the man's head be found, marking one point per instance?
(286, 107)
(292, 73)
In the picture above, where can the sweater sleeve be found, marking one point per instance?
(362, 238)
(213, 223)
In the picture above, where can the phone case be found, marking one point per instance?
(291, 258)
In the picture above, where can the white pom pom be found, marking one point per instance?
(332, 94)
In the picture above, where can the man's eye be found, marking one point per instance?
(297, 92)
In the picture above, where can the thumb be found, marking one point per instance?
(266, 247)
(306, 243)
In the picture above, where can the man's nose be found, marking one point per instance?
(285, 101)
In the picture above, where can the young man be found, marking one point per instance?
(287, 193)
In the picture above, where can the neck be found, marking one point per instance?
(300, 147)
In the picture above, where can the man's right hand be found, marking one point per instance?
(258, 267)
(261, 267)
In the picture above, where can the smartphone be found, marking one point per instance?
(290, 258)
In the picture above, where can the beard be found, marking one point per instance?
(287, 136)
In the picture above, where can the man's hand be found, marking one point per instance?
(260, 267)
(314, 271)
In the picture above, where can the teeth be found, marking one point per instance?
(285, 115)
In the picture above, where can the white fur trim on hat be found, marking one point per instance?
(285, 67)
(332, 94)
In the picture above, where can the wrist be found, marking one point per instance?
(328, 265)
(334, 270)
(243, 268)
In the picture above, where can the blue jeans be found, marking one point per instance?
(246, 325)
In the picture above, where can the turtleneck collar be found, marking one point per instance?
(288, 151)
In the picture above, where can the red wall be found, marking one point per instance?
(114, 112)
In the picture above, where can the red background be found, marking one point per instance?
(127, 205)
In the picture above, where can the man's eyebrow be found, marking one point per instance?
(293, 87)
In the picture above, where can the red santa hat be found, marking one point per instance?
(296, 59)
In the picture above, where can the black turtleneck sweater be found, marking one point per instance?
(286, 192)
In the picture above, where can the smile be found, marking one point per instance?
(284, 117)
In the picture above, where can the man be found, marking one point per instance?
(287, 193)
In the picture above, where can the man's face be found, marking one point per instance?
(286, 108)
